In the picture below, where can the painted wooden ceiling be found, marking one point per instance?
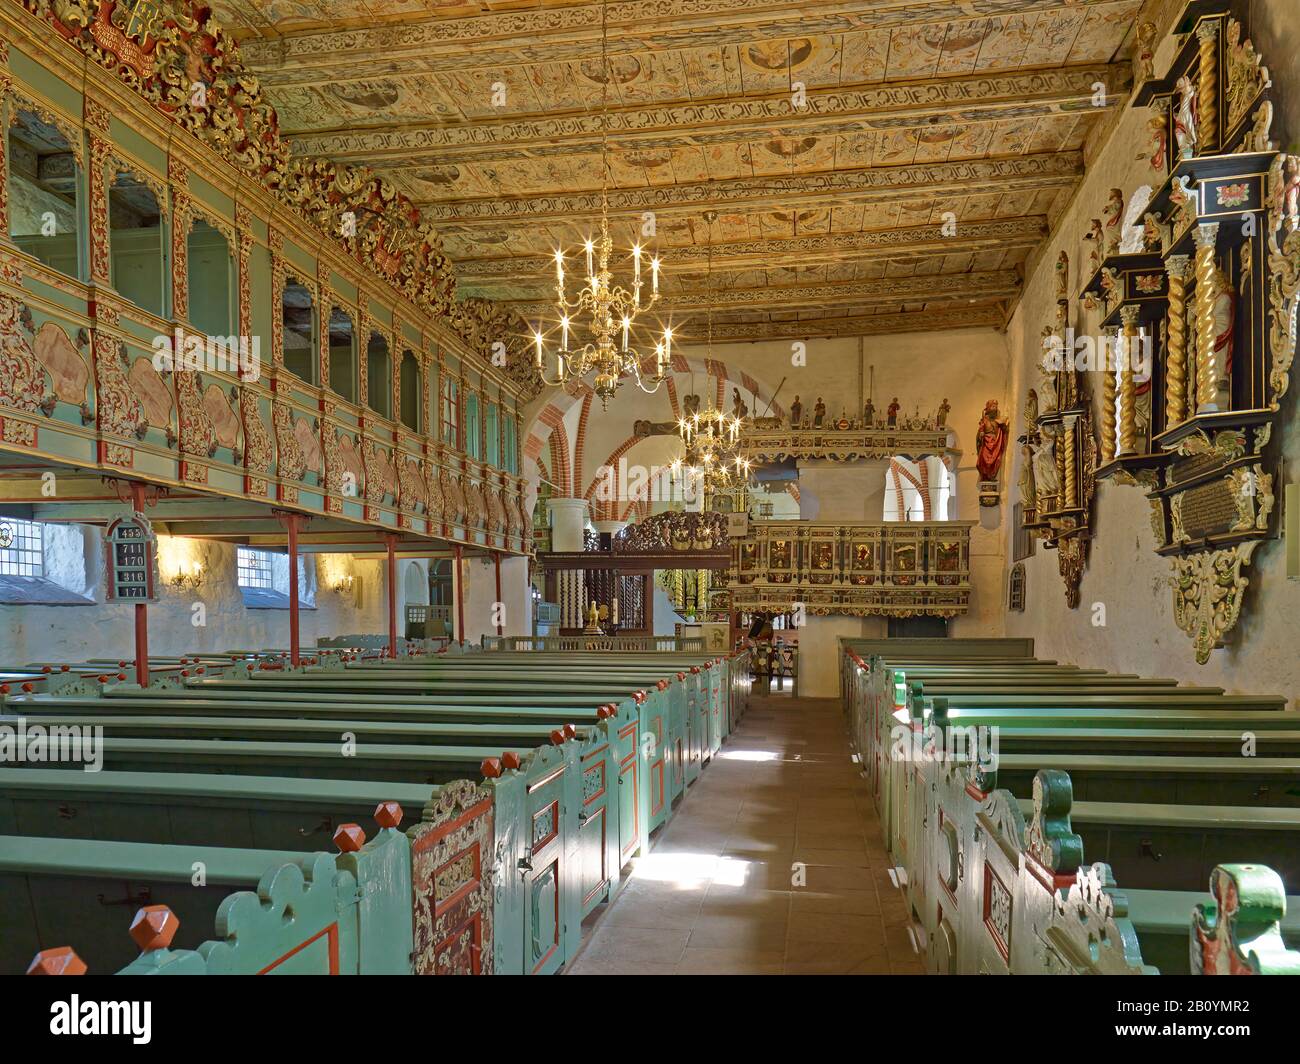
(800, 158)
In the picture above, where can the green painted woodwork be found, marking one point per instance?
(235, 769)
(1145, 781)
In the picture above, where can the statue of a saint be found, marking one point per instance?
(796, 413)
(1113, 212)
(941, 418)
(1028, 492)
(892, 413)
(869, 415)
(819, 413)
(1186, 118)
(990, 442)
(1047, 484)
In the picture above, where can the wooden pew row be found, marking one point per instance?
(155, 752)
(314, 913)
(967, 848)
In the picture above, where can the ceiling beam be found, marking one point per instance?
(830, 111)
(928, 288)
(878, 245)
(870, 184)
(503, 39)
(930, 319)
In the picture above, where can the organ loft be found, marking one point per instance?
(659, 488)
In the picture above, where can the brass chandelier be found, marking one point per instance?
(711, 439)
(596, 326)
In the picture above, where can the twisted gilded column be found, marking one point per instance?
(1176, 353)
(1070, 450)
(1207, 36)
(1127, 384)
(1207, 281)
(1108, 399)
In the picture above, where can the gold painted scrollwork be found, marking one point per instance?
(1208, 592)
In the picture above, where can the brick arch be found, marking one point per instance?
(901, 473)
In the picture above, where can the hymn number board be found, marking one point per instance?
(132, 548)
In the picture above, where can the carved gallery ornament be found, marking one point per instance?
(163, 51)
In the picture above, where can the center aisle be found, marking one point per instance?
(774, 865)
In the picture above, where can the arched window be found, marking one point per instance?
(209, 266)
(450, 411)
(412, 391)
(343, 355)
(379, 375)
(298, 316)
(44, 193)
(136, 267)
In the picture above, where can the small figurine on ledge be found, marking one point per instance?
(941, 418)
(1144, 55)
(796, 413)
(819, 413)
(892, 414)
(869, 415)
(1114, 215)
(1098, 238)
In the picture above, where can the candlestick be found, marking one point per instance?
(564, 341)
(590, 271)
(559, 266)
(654, 275)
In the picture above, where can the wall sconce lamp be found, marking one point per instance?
(345, 585)
(188, 576)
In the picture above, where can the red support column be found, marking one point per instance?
(460, 596)
(391, 541)
(141, 608)
(496, 558)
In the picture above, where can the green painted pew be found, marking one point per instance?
(59, 891)
(313, 913)
(1161, 920)
(254, 812)
(1176, 847)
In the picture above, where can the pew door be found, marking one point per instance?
(545, 874)
(691, 696)
(654, 743)
(598, 830)
(632, 808)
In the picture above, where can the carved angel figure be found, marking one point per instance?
(1288, 195)
(1062, 277)
(1158, 127)
(1145, 53)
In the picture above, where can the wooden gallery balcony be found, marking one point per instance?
(890, 569)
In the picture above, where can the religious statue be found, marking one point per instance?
(1113, 212)
(1158, 126)
(1031, 410)
(1028, 491)
(990, 442)
(1225, 320)
(941, 418)
(819, 413)
(1144, 53)
(892, 413)
(1062, 277)
(739, 409)
(796, 413)
(869, 414)
(1186, 118)
(1047, 482)
(1097, 235)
